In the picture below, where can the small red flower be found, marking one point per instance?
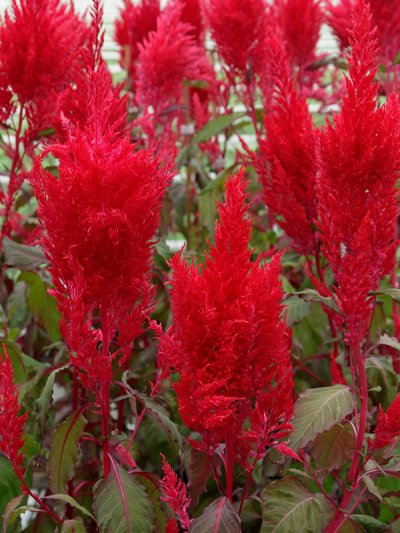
(388, 425)
(11, 423)
(136, 21)
(175, 494)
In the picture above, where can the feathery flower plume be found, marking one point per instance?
(40, 42)
(167, 58)
(175, 494)
(299, 22)
(359, 160)
(135, 23)
(238, 28)
(388, 425)
(100, 216)
(385, 16)
(11, 423)
(192, 14)
(228, 342)
(287, 159)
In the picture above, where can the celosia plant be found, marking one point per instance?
(228, 343)
(252, 387)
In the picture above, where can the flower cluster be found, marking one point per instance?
(175, 494)
(100, 217)
(287, 160)
(11, 423)
(135, 23)
(169, 57)
(228, 341)
(40, 43)
(357, 199)
(239, 30)
(388, 425)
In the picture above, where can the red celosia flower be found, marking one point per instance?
(386, 17)
(40, 41)
(239, 28)
(299, 22)
(175, 494)
(192, 14)
(11, 423)
(100, 216)
(359, 164)
(167, 58)
(228, 342)
(131, 29)
(287, 159)
(388, 426)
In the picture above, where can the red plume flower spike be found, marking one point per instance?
(175, 494)
(228, 342)
(40, 43)
(135, 23)
(388, 426)
(100, 217)
(299, 22)
(167, 58)
(356, 191)
(239, 29)
(11, 423)
(287, 160)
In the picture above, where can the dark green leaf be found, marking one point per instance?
(23, 257)
(9, 484)
(64, 451)
(296, 309)
(42, 304)
(369, 523)
(46, 397)
(311, 295)
(392, 292)
(380, 373)
(73, 526)
(215, 126)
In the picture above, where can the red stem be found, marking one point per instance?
(229, 466)
(38, 500)
(105, 400)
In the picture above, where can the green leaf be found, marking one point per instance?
(160, 414)
(392, 292)
(317, 410)
(331, 449)
(387, 340)
(370, 484)
(289, 507)
(296, 309)
(219, 517)
(311, 295)
(10, 509)
(121, 504)
(380, 373)
(46, 397)
(42, 304)
(73, 526)
(151, 485)
(23, 257)
(9, 484)
(215, 126)
(64, 451)
(369, 523)
(69, 499)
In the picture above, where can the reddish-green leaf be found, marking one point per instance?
(219, 517)
(64, 451)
